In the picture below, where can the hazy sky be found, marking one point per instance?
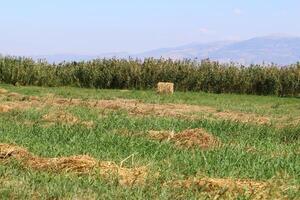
(31, 27)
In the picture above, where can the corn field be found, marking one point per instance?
(188, 75)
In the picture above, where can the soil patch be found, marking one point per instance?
(80, 164)
(188, 139)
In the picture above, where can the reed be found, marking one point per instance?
(187, 75)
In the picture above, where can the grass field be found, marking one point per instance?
(184, 146)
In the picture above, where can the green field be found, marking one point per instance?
(258, 143)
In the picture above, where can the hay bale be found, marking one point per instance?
(165, 88)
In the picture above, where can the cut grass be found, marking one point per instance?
(245, 103)
(284, 110)
(248, 151)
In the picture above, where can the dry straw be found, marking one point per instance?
(5, 108)
(3, 91)
(187, 139)
(80, 164)
(165, 88)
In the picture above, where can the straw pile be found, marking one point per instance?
(3, 91)
(5, 108)
(226, 188)
(190, 138)
(81, 164)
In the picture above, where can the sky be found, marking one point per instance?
(93, 27)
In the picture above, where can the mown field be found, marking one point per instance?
(73, 143)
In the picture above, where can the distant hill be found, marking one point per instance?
(282, 50)
(279, 50)
(200, 51)
(75, 57)
(272, 49)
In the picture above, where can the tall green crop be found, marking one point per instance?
(188, 75)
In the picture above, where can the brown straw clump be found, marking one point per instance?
(15, 95)
(7, 151)
(81, 164)
(3, 91)
(5, 108)
(220, 187)
(188, 138)
(60, 116)
(66, 118)
(127, 176)
(165, 88)
(210, 184)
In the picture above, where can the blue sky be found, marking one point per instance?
(35, 27)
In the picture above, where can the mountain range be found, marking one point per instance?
(281, 50)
